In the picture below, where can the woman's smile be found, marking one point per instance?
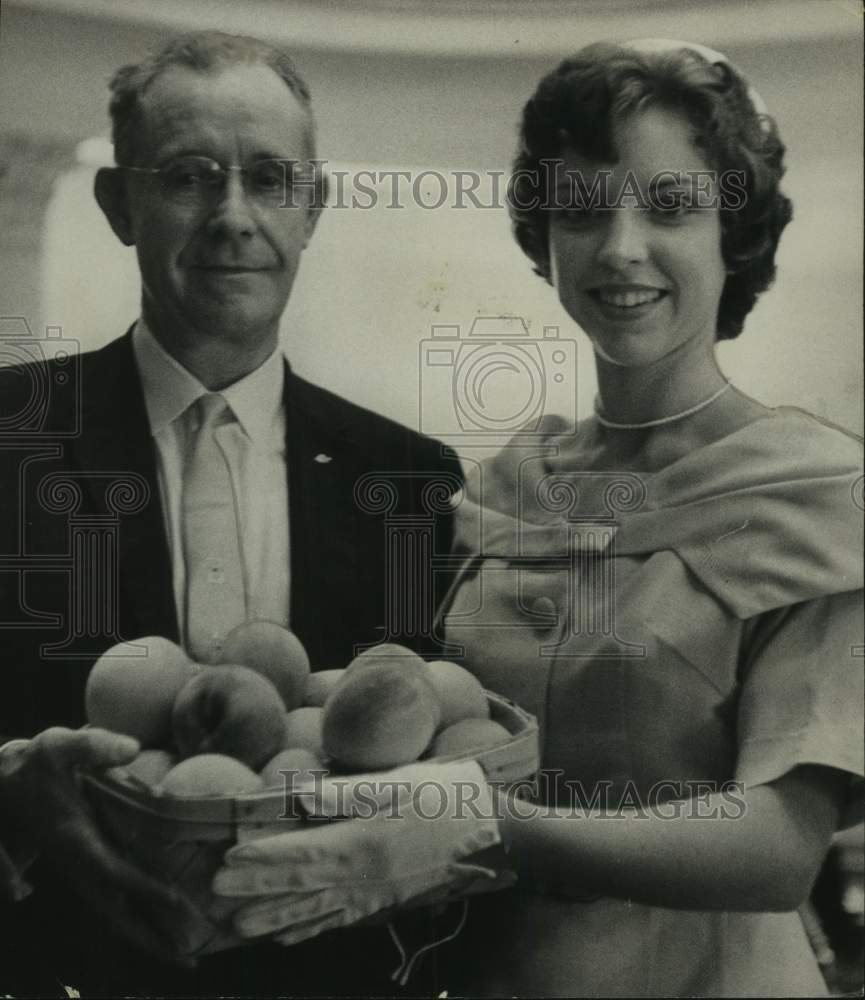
(626, 301)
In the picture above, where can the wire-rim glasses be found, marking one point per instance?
(196, 180)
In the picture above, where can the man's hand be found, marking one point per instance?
(41, 799)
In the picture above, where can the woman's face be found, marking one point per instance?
(641, 281)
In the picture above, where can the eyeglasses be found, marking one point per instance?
(196, 180)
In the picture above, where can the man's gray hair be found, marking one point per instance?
(205, 52)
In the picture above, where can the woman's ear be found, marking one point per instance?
(109, 187)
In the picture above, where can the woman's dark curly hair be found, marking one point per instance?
(575, 108)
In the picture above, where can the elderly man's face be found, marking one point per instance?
(219, 266)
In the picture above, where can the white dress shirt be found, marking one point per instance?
(255, 448)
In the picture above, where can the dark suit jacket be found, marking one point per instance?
(84, 561)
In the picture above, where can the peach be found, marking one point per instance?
(459, 692)
(229, 710)
(297, 763)
(302, 728)
(135, 694)
(383, 715)
(468, 735)
(320, 685)
(390, 652)
(275, 653)
(391, 655)
(209, 774)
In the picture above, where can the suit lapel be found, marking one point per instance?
(116, 443)
(324, 522)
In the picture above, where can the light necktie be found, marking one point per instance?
(215, 595)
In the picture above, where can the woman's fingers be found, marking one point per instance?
(288, 911)
(311, 928)
(306, 859)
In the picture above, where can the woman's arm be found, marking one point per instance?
(765, 859)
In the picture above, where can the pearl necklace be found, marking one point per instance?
(661, 420)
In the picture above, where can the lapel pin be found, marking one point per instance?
(323, 459)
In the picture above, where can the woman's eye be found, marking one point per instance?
(579, 215)
(670, 204)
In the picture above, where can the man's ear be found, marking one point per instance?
(315, 208)
(109, 187)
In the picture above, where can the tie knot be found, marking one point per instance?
(208, 411)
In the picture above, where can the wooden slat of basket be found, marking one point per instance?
(207, 818)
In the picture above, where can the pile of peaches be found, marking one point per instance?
(241, 725)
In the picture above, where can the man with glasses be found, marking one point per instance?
(215, 188)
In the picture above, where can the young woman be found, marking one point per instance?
(694, 668)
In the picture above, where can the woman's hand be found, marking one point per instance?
(405, 835)
(48, 815)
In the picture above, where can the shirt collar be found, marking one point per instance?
(169, 389)
(256, 399)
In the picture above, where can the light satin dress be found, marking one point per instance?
(699, 624)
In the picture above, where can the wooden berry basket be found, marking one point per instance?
(182, 840)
